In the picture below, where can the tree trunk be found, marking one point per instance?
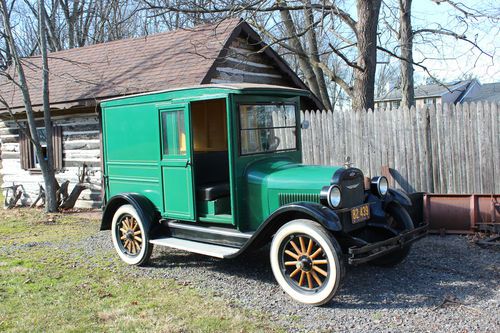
(364, 80)
(406, 44)
(47, 166)
(314, 55)
(304, 62)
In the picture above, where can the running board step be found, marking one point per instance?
(212, 250)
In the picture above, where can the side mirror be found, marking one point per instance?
(305, 124)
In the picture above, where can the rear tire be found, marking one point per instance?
(307, 262)
(399, 219)
(130, 236)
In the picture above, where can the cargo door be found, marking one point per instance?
(177, 173)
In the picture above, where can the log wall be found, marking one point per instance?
(80, 145)
(244, 63)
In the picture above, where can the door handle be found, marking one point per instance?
(188, 163)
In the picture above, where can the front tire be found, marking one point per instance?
(307, 262)
(399, 220)
(130, 236)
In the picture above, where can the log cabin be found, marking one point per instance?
(225, 52)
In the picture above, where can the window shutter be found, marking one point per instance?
(57, 147)
(25, 151)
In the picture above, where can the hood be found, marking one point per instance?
(288, 175)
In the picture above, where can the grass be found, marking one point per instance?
(48, 282)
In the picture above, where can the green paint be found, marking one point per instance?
(146, 152)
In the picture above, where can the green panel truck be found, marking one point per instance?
(217, 170)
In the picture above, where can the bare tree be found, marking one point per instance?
(406, 44)
(46, 162)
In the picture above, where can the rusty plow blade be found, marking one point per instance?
(462, 213)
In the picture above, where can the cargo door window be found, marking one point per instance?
(174, 133)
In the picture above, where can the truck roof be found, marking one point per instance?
(237, 87)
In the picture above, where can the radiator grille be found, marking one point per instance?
(286, 198)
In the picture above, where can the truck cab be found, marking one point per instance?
(217, 170)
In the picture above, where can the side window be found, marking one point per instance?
(174, 132)
(28, 157)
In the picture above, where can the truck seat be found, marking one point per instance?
(211, 174)
(211, 192)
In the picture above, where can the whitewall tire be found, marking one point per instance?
(130, 236)
(307, 262)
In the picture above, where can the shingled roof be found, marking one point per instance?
(184, 57)
(428, 90)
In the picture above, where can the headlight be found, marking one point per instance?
(334, 196)
(379, 186)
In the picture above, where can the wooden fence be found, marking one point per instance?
(448, 149)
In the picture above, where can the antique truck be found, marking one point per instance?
(217, 170)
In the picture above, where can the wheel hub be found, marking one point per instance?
(305, 263)
(130, 235)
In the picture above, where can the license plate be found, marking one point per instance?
(360, 213)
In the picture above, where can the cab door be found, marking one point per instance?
(176, 168)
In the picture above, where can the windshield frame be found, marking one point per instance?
(270, 103)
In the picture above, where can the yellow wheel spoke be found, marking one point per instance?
(295, 272)
(137, 233)
(316, 253)
(301, 280)
(123, 237)
(309, 247)
(139, 239)
(320, 262)
(136, 225)
(123, 230)
(309, 280)
(295, 247)
(320, 271)
(302, 244)
(125, 223)
(316, 278)
(291, 263)
(291, 254)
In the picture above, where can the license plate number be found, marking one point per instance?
(360, 213)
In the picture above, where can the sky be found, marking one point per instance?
(446, 58)
(461, 57)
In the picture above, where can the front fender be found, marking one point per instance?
(298, 210)
(145, 208)
(379, 205)
(317, 212)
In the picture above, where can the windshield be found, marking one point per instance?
(267, 128)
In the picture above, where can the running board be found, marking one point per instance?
(212, 250)
(205, 233)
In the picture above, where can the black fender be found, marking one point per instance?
(298, 210)
(378, 206)
(144, 207)
(399, 196)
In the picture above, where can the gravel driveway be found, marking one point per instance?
(445, 285)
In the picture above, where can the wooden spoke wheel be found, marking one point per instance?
(130, 236)
(306, 262)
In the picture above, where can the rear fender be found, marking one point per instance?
(145, 208)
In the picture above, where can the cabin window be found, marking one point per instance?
(267, 128)
(28, 156)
